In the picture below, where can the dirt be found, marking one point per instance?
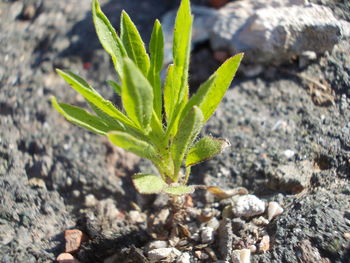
(49, 167)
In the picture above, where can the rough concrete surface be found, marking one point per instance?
(55, 176)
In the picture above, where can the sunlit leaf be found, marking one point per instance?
(133, 144)
(137, 95)
(81, 117)
(210, 93)
(156, 48)
(188, 131)
(205, 149)
(148, 183)
(108, 37)
(179, 190)
(93, 97)
(133, 43)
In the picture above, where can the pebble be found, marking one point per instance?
(157, 244)
(184, 258)
(90, 200)
(261, 221)
(207, 234)
(213, 223)
(241, 256)
(37, 182)
(66, 258)
(289, 153)
(273, 210)
(157, 254)
(346, 235)
(137, 217)
(73, 239)
(248, 206)
(264, 244)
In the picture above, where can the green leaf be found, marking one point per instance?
(93, 97)
(148, 183)
(205, 149)
(156, 48)
(137, 95)
(182, 48)
(188, 130)
(81, 117)
(179, 190)
(133, 43)
(116, 87)
(108, 37)
(169, 93)
(210, 93)
(133, 144)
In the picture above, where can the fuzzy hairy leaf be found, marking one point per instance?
(108, 37)
(188, 130)
(210, 93)
(205, 149)
(137, 95)
(81, 117)
(116, 87)
(148, 183)
(132, 144)
(133, 43)
(169, 93)
(93, 97)
(179, 190)
(156, 48)
(182, 48)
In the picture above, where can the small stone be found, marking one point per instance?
(253, 248)
(264, 244)
(73, 240)
(241, 256)
(213, 223)
(248, 206)
(163, 253)
(261, 221)
(289, 154)
(66, 258)
(37, 182)
(184, 258)
(346, 235)
(227, 212)
(90, 200)
(198, 254)
(28, 12)
(137, 217)
(273, 210)
(207, 234)
(157, 244)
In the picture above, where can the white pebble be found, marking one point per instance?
(248, 206)
(289, 153)
(90, 200)
(157, 254)
(157, 244)
(273, 210)
(184, 258)
(241, 256)
(207, 234)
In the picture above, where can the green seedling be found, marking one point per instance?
(159, 122)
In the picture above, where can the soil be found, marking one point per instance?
(52, 174)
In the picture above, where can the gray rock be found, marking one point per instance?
(225, 235)
(292, 177)
(247, 206)
(184, 258)
(275, 31)
(207, 235)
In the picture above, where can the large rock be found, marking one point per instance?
(275, 31)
